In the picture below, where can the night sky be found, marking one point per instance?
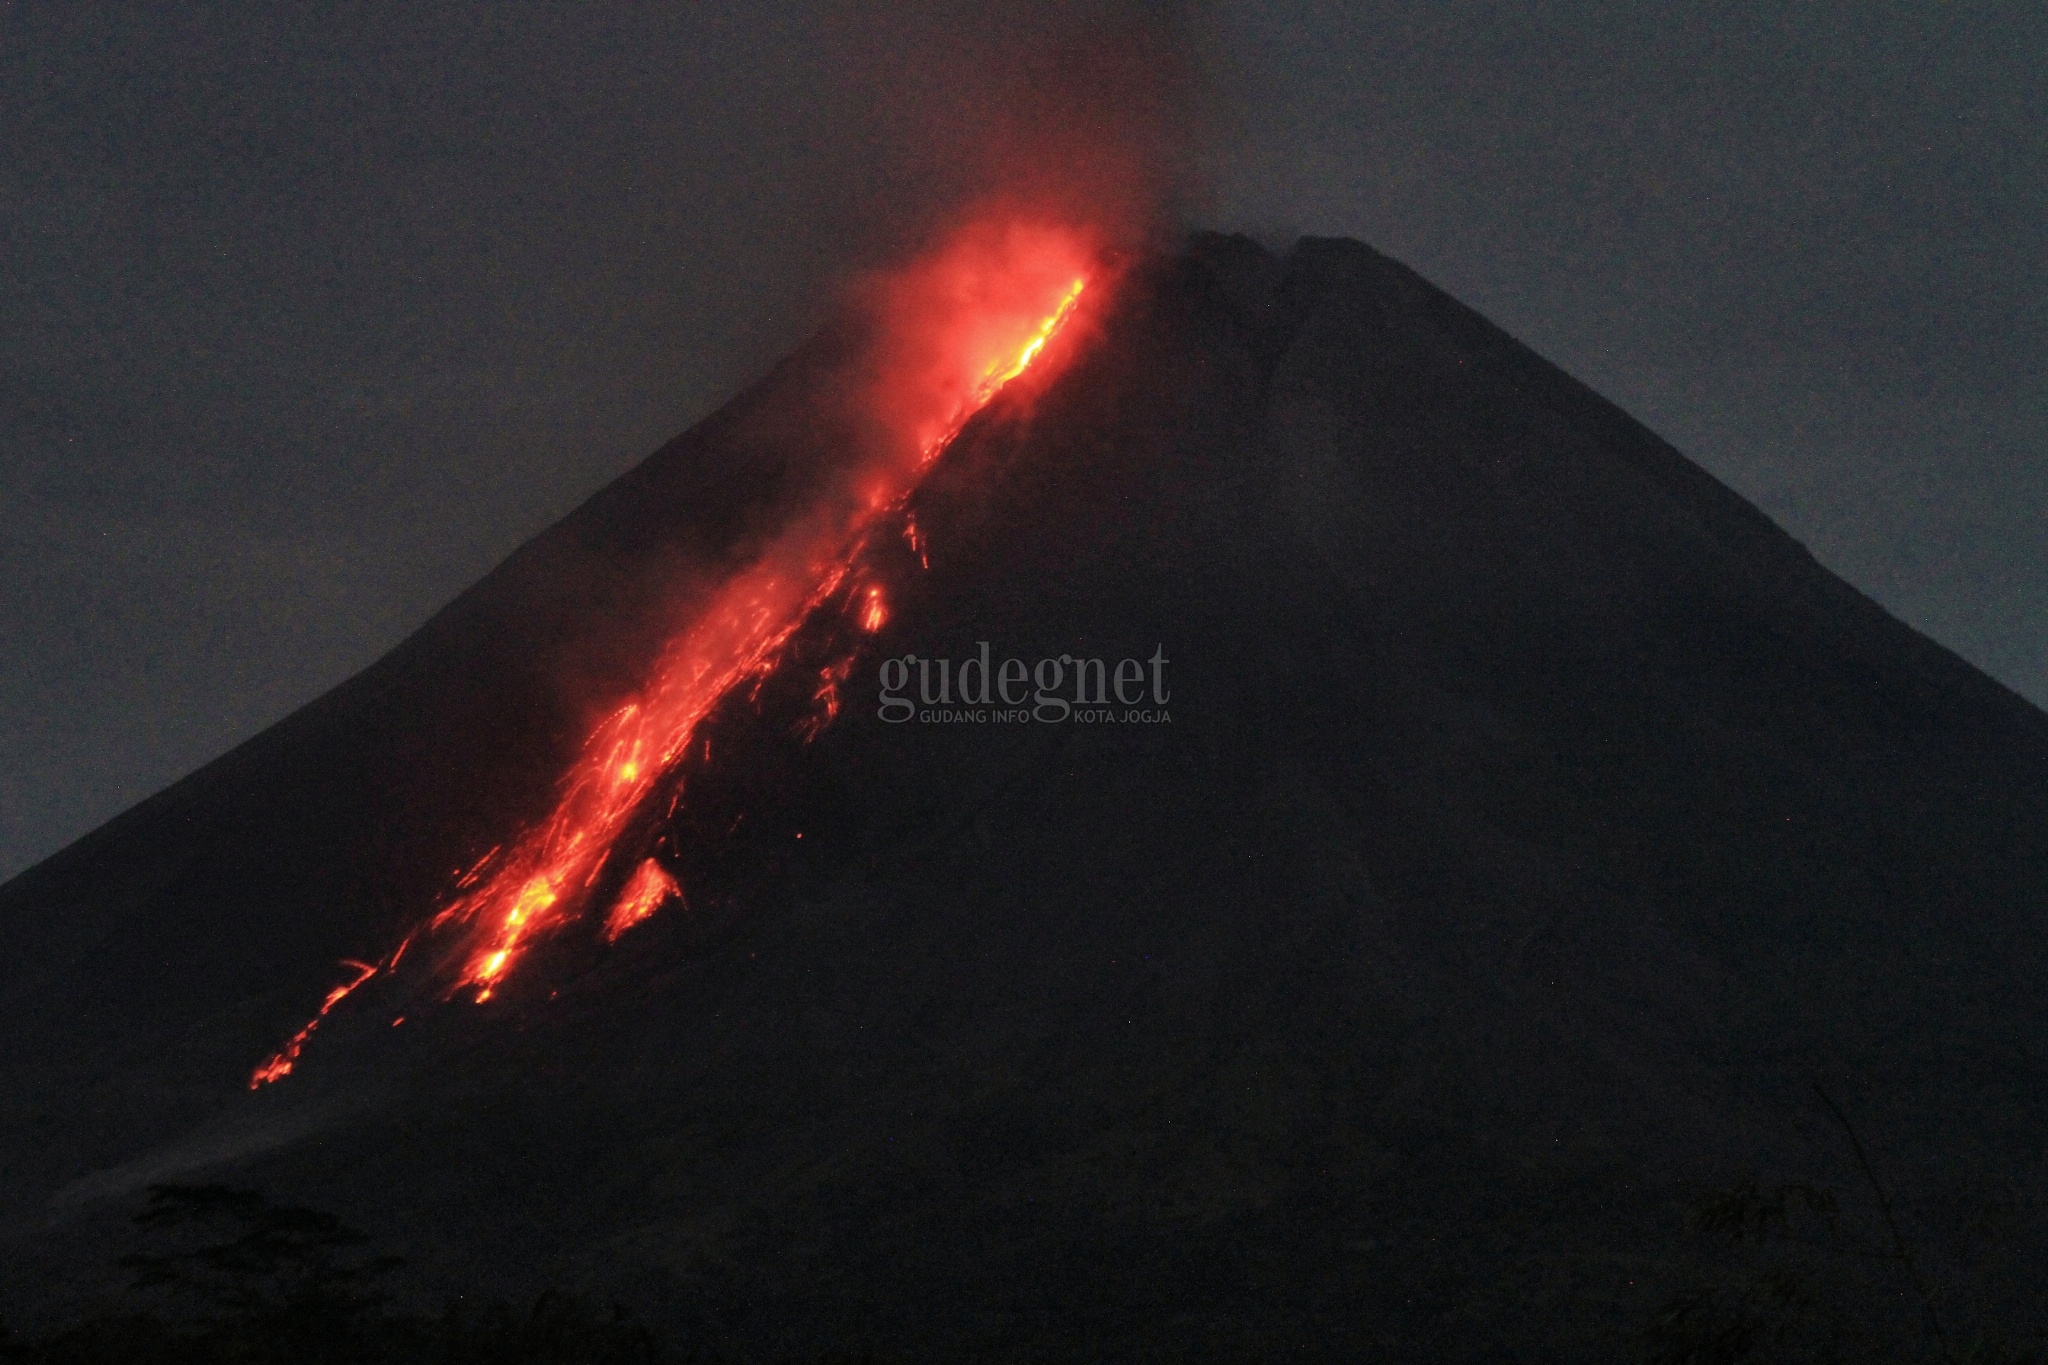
(310, 318)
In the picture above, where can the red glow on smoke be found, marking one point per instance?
(954, 329)
(969, 319)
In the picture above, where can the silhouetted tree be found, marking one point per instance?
(297, 1270)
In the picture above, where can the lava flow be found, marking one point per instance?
(953, 331)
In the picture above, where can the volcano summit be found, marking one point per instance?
(1536, 827)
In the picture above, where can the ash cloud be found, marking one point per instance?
(1091, 112)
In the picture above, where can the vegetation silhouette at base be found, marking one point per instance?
(254, 1283)
(1781, 1275)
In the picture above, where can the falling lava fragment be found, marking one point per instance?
(650, 888)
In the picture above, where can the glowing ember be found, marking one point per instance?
(956, 328)
(827, 698)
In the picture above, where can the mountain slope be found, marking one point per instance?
(1534, 825)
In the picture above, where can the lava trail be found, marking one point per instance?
(953, 330)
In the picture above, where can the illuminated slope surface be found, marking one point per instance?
(1536, 823)
(949, 334)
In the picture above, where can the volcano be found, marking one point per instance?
(1505, 830)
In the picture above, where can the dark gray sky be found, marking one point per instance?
(308, 317)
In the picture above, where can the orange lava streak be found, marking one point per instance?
(541, 884)
(279, 1064)
(998, 375)
(1002, 369)
(966, 323)
(650, 888)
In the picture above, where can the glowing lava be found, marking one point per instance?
(954, 329)
(279, 1064)
(650, 888)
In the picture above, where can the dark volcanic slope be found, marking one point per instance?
(1535, 824)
